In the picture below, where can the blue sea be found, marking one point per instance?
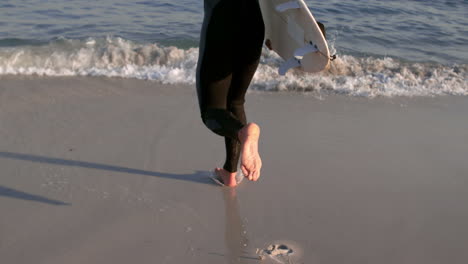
(384, 48)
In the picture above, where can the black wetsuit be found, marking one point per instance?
(230, 48)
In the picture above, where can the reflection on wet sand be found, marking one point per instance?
(235, 233)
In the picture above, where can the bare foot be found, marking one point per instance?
(250, 162)
(227, 178)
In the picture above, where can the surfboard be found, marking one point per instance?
(292, 32)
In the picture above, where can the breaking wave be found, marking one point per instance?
(117, 57)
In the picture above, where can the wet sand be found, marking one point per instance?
(108, 170)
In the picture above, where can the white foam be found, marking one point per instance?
(113, 57)
(367, 77)
(117, 57)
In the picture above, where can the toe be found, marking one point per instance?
(245, 171)
(256, 175)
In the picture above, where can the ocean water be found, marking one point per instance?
(384, 48)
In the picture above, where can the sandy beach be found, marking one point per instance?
(110, 171)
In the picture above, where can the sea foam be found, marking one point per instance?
(117, 57)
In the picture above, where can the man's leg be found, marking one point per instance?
(215, 66)
(214, 76)
(245, 64)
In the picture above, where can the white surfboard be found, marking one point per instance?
(292, 32)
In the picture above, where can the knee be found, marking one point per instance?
(209, 118)
(221, 122)
(213, 118)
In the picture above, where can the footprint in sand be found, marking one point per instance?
(278, 252)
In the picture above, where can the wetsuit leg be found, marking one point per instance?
(249, 48)
(230, 47)
(214, 69)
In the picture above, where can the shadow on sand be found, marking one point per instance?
(12, 193)
(198, 176)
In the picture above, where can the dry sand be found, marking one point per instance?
(99, 170)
